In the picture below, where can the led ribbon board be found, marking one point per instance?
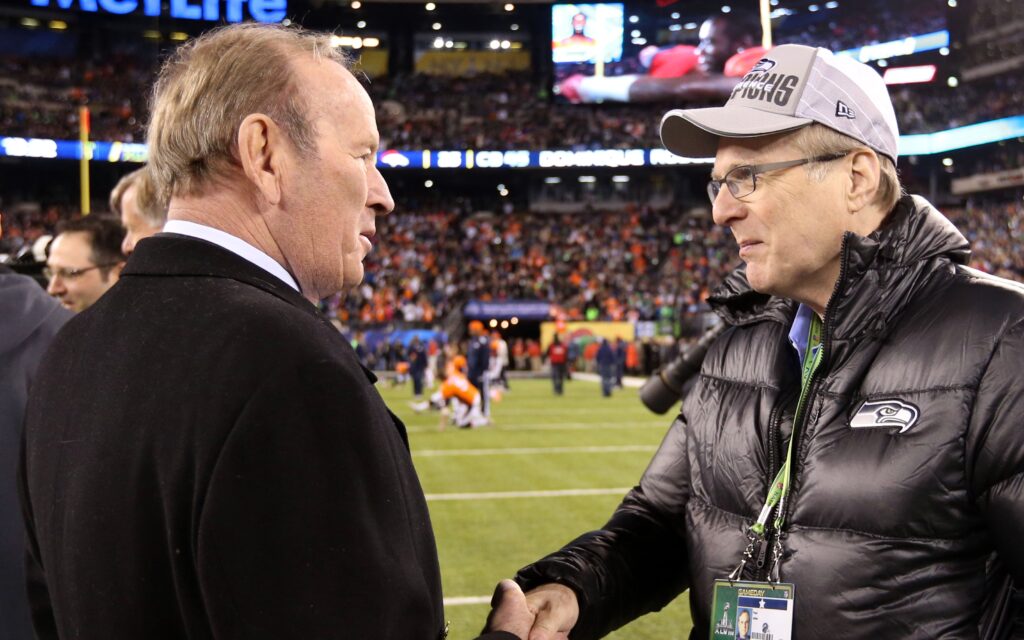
(910, 145)
(210, 10)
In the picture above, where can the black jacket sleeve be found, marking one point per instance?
(996, 465)
(635, 564)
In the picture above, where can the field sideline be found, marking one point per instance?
(548, 470)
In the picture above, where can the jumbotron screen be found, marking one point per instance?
(686, 54)
(586, 33)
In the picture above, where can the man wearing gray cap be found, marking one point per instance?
(851, 461)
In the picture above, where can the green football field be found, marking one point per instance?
(549, 469)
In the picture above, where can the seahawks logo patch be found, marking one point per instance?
(885, 414)
(764, 64)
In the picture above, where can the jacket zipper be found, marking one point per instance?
(826, 347)
(774, 445)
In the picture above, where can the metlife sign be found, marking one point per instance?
(211, 10)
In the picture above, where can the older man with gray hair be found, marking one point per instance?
(134, 200)
(850, 462)
(204, 455)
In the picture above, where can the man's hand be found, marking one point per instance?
(557, 610)
(509, 611)
(548, 612)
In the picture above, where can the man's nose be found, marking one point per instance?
(725, 208)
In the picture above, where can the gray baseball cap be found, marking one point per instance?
(790, 87)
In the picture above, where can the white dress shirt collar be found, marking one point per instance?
(233, 244)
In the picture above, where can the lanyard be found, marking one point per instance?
(779, 489)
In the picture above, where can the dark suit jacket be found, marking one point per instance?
(206, 458)
(29, 319)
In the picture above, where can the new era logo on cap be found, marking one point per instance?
(791, 87)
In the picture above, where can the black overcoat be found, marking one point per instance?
(206, 458)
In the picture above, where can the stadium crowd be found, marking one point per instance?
(631, 265)
(508, 111)
(39, 98)
(611, 266)
(921, 108)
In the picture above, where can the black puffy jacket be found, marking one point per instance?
(909, 531)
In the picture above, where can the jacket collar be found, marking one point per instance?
(881, 272)
(171, 254)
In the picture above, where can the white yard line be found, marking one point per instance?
(455, 602)
(436, 453)
(559, 426)
(500, 495)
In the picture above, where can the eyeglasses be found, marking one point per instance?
(742, 180)
(71, 274)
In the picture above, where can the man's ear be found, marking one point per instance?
(261, 150)
(864, 179)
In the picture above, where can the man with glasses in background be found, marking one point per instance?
(853, 444)
(84, 261)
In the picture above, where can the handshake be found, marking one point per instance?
(548, 612)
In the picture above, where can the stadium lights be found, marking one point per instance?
(438, 42)
(636, 33)
(31, 23)
(947, 162)
(514, 321)
(151, 35)
(493, 323)
(726, 9)
(356, 4)
(431, 6)
(428, 183)
(634, 19)
(952, 82)
(361, 24)
(504, 324)
(832, 5)
(510, 7)
(505, 44)
(495, 44)
(774, 3)
(58, 25)
(354, 42)
(813, 8)
(620, 178)
(552, 180)
(910, 75)
(944, 51)
(675, 15)
(675, 27)
(436, 26)
(639, 41)
(514, 27)
(179, 36)
(883, 63)
(952, 3)
(587, 179)
(448, 44)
